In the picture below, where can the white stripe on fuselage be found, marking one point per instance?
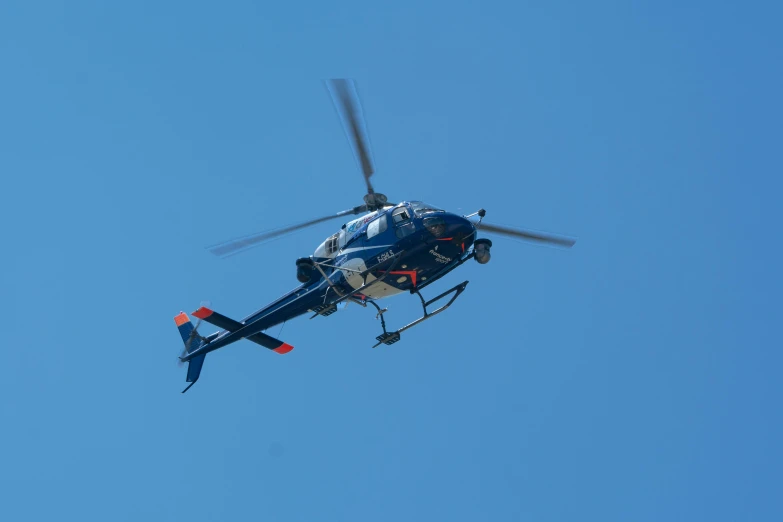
(357, 249)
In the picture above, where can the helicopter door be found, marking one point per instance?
(373, 233)
(377, 226)
(403, 224)
(370, 242)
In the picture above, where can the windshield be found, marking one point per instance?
(419, 208)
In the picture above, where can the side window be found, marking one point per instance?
(402, 222)
(377, 227)
(332, 244)
(405, 229)
(400, 215)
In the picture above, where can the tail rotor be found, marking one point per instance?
(193, 340)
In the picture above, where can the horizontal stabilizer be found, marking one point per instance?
(270, 342)
(226, 323)
(219, 320)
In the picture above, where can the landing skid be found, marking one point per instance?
(324, 310)
(389, 338)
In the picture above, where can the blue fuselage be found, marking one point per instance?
(413, 242)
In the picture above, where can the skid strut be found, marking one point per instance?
(389, 338)
(328, 309)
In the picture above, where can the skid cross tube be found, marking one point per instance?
(393, 337)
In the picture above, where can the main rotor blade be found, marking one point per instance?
(346, 101)
(235, 246)
(527, 235)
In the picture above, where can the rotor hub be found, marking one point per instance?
(375, 201)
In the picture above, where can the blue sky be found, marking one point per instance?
(633, 377)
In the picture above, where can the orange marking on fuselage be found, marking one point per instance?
(409, 273)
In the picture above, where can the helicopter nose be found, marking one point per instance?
(465, 224)
(451, 226)
(466, 229)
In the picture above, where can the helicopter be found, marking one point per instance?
(390, 249)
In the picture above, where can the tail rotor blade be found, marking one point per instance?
(193, 336)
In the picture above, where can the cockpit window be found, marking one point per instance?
(419, 208)
(435, 225)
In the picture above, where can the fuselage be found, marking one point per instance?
(413, 241)
(426, 238)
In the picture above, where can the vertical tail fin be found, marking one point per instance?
(187, 331)
(192, 340)
(194, 370)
